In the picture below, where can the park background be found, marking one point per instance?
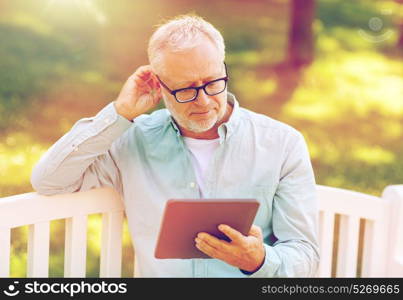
(333, 69)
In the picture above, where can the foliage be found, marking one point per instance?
(31, 63)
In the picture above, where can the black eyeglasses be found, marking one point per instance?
(190, 94)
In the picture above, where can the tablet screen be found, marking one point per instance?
(183, 219)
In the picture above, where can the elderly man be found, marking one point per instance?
(202, 146)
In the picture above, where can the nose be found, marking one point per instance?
(202, 98)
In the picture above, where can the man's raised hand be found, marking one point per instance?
(140, 93)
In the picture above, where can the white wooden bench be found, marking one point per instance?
(381, 244)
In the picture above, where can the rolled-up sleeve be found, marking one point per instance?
(295, 218)
(83, 158)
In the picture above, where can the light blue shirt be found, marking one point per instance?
(148, 162)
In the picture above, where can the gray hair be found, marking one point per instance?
(179, 34)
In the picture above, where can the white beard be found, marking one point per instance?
(196, 126)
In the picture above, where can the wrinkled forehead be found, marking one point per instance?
(194, 64)
(190, 73)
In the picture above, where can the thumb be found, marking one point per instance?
(256, 231)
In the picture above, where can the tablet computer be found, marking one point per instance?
(183, 219)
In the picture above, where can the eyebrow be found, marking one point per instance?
(192, 81)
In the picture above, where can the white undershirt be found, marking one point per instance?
(202, 152)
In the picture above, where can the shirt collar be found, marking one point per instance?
(225, 130)
(174, 125)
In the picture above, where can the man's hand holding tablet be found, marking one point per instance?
(244, 252)
(212, 228)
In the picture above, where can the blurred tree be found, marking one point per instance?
(299, 54)
(400, 27)
(30, 64)
(301, 40)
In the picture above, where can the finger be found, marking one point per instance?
(144, 69)
(207, 249)
(156, 90)
(156, 99)
(145, 73)
(142, 74)
(143, 84)
(155, 83)
(146, 79)
(233, 234)
(157, 96)
(256, 231)
(213, 241)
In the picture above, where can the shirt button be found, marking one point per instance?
(192, 185)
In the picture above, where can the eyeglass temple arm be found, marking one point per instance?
(164, 85)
